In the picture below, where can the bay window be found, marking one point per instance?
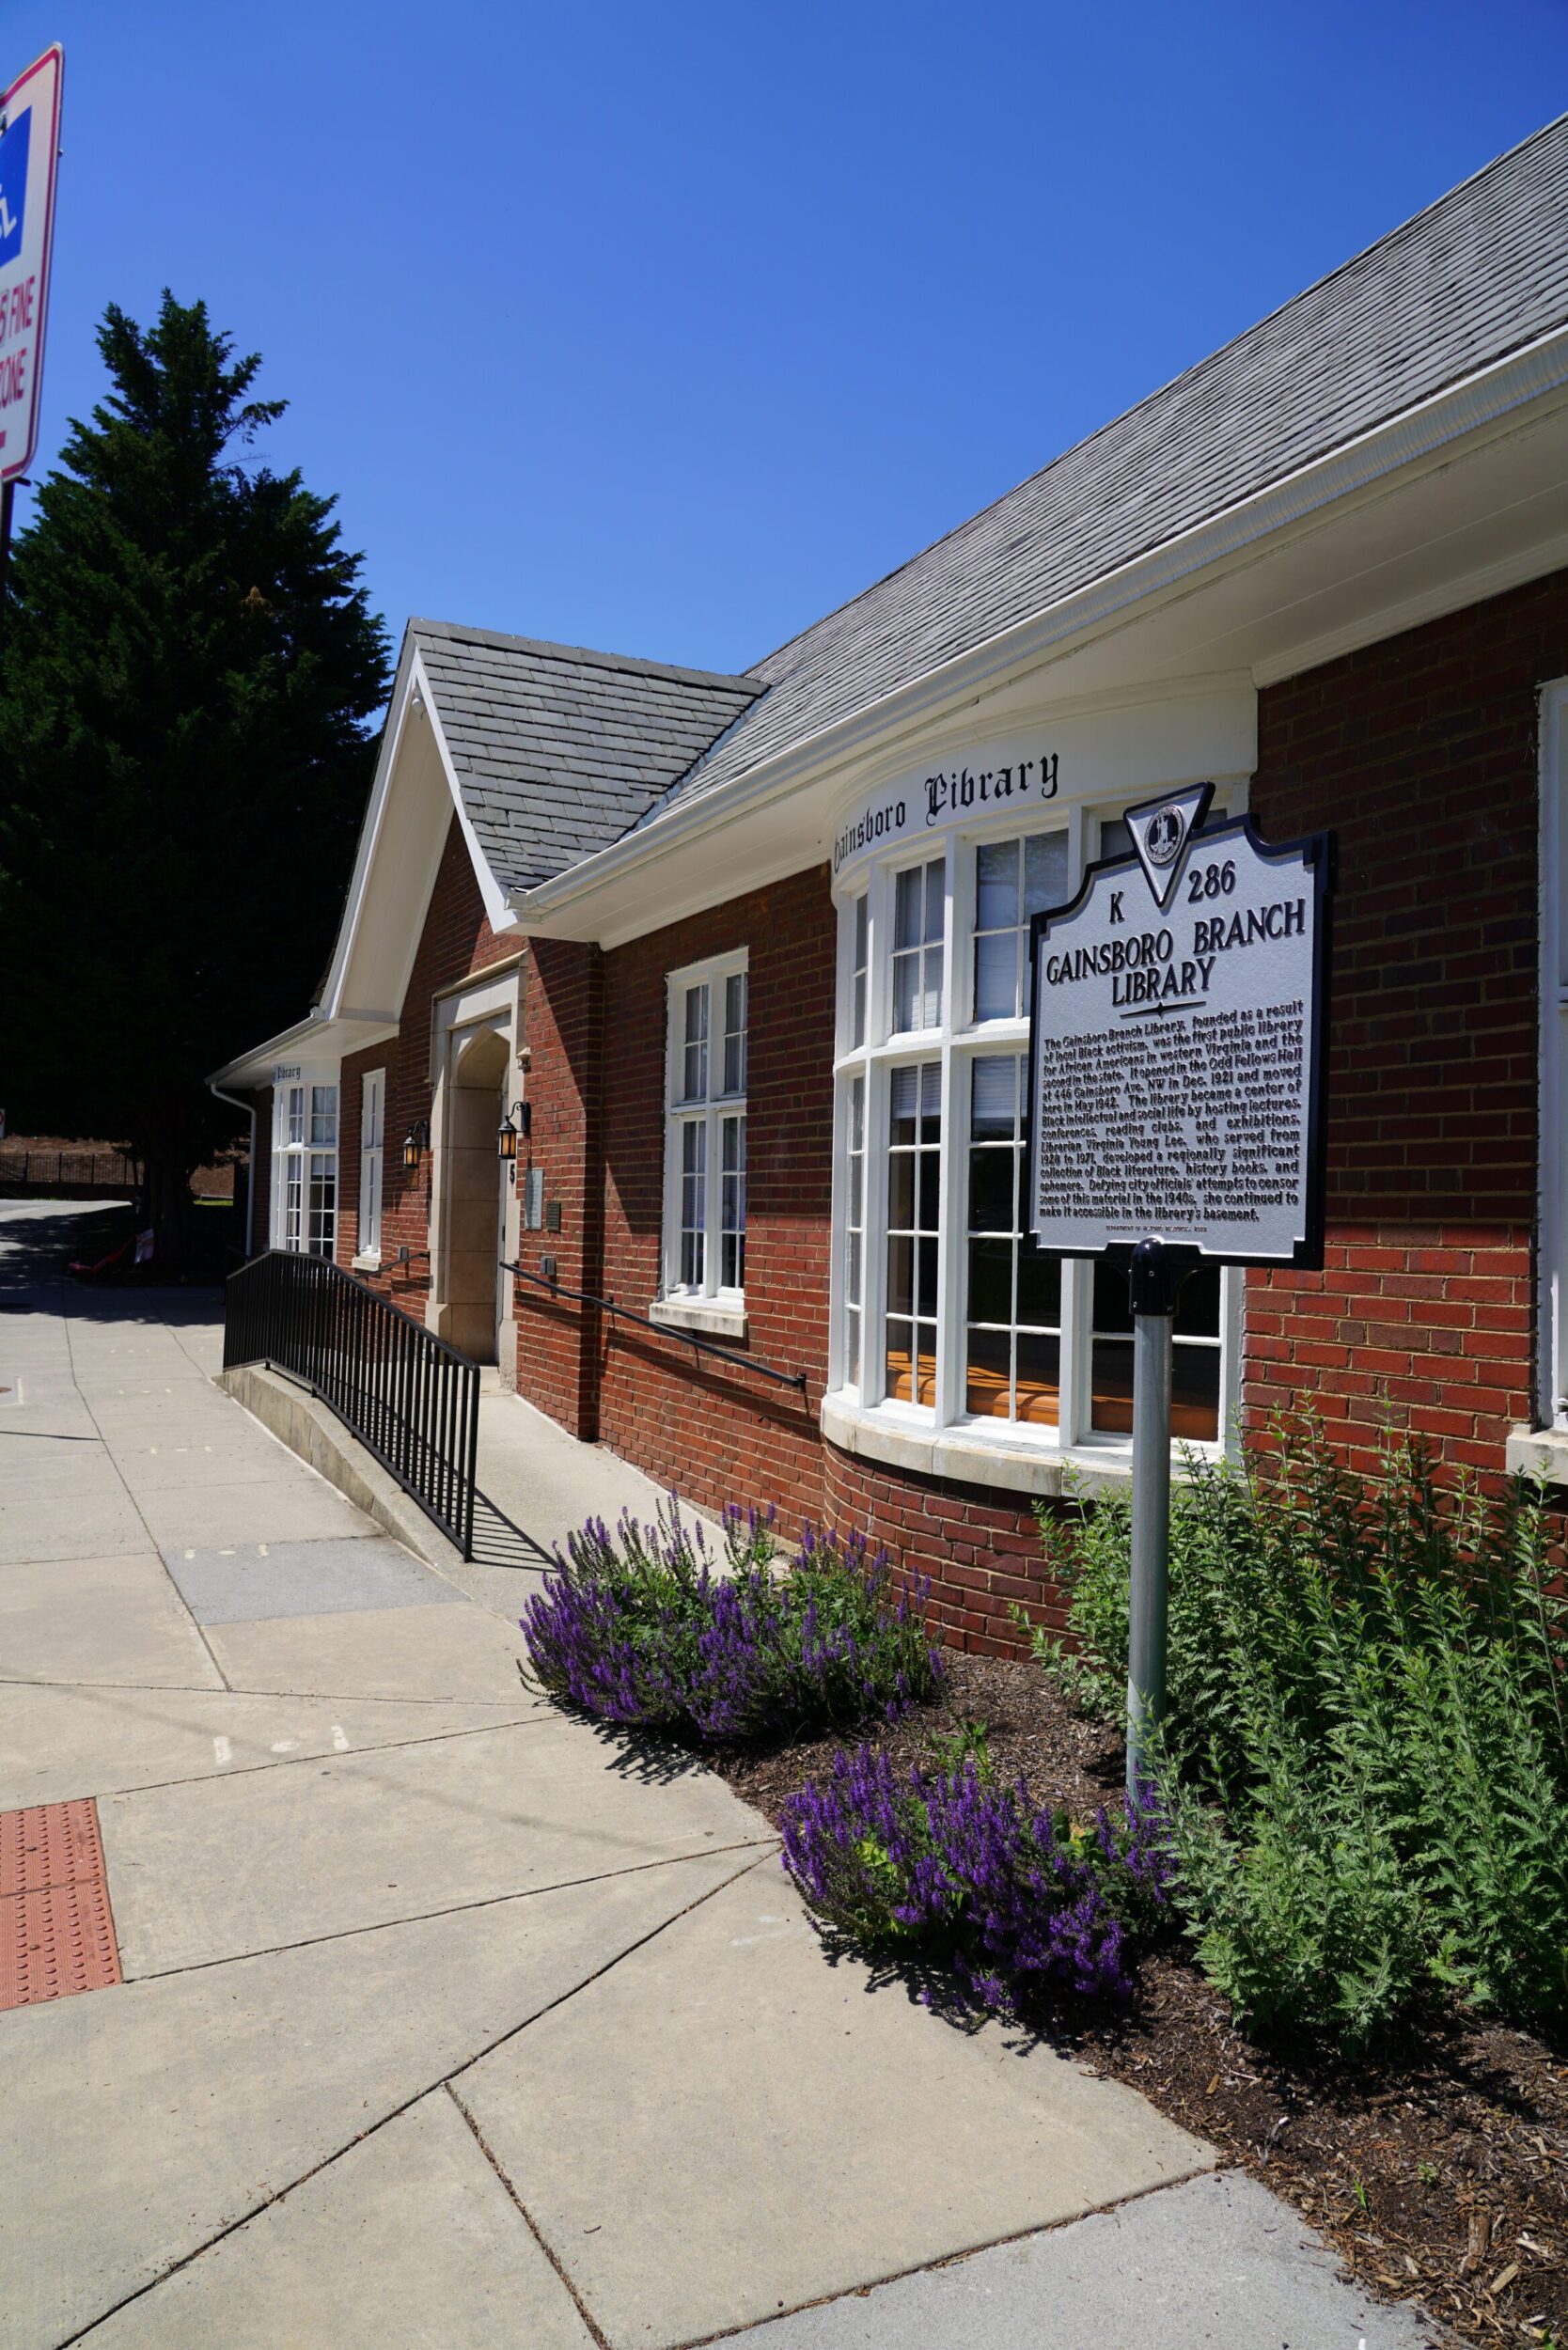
(304, 1166)
(945, 1317)
(705, 1154)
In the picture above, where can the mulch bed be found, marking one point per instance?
(1438, 2172)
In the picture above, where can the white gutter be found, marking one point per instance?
(1493, 392)
(238, 1072)
(250, 1161)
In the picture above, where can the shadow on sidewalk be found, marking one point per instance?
(497, 1542)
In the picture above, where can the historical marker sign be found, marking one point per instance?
(29, 152)
(1175, 1049)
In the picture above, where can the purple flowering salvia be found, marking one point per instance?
(946, 1864)
(642, 1627)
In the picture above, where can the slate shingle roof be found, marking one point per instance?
(1482, 273)
(558, 750)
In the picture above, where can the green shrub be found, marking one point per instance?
(1365, 1759)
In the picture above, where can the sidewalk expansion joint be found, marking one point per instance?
(443, 2080)
(154, 1689)
(527, 2217)
(759, 1845)
(136, 1505)
(219, 1774)
(956, 2259)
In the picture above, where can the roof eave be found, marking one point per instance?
(1487, 396)
(316, 1037)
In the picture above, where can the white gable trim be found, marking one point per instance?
(500, 915)
(377, 868)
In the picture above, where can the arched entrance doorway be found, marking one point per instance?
(476, 1196)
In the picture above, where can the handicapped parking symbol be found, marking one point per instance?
(13, 184)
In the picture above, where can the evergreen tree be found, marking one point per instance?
(187, 670)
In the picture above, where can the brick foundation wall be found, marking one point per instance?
(1421, 754)
(978, 1548)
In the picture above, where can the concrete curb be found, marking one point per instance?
(296, 1419)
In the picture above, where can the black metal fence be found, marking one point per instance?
(69, 1172)
(410, 1398)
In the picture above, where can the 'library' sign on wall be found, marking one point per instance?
(1175, 1056)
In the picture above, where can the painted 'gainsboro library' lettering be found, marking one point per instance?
(946, 793)
(942, 797)
(877, 824)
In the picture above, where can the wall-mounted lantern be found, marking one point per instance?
(518, 1119)
(416, 1143)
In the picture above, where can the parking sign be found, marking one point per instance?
(29, 155)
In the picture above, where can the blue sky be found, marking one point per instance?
(667, 329)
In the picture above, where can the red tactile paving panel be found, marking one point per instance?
(57, 1931)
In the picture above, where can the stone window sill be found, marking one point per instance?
(710, 1316)
(368, 1263)
(1538, 1452)
(1081, 1471)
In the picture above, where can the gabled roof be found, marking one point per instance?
(557, 750)
(1481, 273)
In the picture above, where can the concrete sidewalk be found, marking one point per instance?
(447, 2021)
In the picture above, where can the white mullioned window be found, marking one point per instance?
(305, 1164)
(704, 1248)
(373, 1123)
(942, 1315)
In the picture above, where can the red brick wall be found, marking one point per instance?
(978, 1548)
(1420, 753)
(720, 1434)
(261, 1172)
(456, 940)
(558, 1342)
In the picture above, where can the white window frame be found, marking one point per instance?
(301, 1159)
(1551, 1398)
(706, 1117)
(957, 1040)
(373, 1168)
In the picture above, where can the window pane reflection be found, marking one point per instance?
(913, 1207)
(1012, 1361)
(1195, 1353)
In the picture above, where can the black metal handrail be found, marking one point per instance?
(411, 1399)
(663, 1329)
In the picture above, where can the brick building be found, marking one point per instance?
(740, 958)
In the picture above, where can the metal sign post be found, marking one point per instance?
(1175, 1075)
(1155, 1278)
